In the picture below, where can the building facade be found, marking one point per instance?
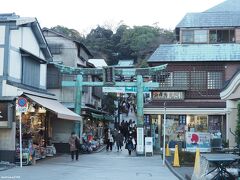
(205, 58)
(24, 55)
(73, 53)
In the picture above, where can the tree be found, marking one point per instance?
(108, 103)
(237, 132)
(72, 33)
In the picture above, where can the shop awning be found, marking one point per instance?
(108, 118)
(97, 116)
(55, 106)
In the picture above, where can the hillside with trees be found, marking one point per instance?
(137, 42)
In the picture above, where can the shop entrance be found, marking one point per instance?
(109, 75)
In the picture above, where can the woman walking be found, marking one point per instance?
(129, 145)
(74, 143)
(119, 140)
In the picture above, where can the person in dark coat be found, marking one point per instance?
(119, 140)
(129, 145)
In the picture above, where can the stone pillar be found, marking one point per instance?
(231, 121)
(139, 101)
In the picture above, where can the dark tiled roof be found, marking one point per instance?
(210, 19)
(196, 52)
(185, 104)
(8, 16)
(228, 5)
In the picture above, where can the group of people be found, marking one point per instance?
(124, 133)
(128, 106)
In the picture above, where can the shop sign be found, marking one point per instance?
(22, 104)
(199, 140)
(148, 145)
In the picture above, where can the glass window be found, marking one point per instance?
(214, 80)
(198, 80)
(180, 79)
(222, 36)
(197, 123)
(3, 111)
(187, 36)
(200, 36)
(212, 36)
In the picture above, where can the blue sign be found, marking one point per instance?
(22, 102)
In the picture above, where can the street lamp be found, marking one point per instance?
(164, 133)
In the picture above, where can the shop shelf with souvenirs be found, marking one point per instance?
(34, 136)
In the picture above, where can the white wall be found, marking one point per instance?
(15, 65)
(1, 60)
(2, 34)
(16, 38)
(29, 42)
(9, 90)
(43, 75)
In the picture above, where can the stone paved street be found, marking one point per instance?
(100, 166)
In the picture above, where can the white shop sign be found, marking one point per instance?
(148, 145)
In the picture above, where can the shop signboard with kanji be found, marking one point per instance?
(199, 140)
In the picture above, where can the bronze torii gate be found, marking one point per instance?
(108, 73)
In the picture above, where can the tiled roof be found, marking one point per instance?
(98, 62)
(8, 16)
(210, 19)
(196, 52)
(228, 5)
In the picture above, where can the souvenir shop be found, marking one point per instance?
(188, 131)
(37, 129)
(36, 134)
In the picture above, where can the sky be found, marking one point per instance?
(83, 15)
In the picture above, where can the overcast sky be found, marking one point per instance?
(84, 15)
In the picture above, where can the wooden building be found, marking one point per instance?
(205, 58)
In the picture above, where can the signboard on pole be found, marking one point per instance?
(199, 140)
(123, 89)
(21, 107)
(114, 89)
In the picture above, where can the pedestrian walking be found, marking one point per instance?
(119, 140)
(129, 145)
(74, 143)
(110, 140)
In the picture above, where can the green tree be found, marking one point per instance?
(72, 33)
(108, 102)
(237, 132)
